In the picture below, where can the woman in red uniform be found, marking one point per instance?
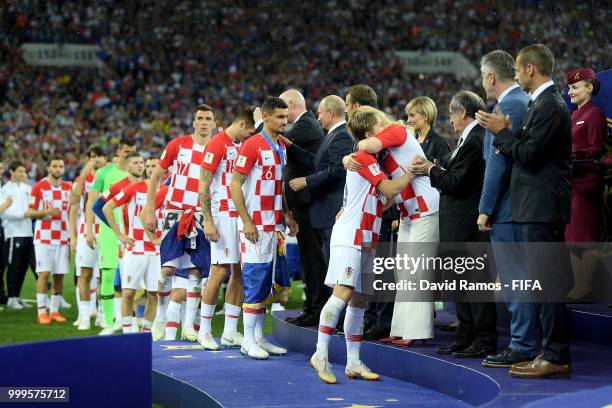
(588, 132)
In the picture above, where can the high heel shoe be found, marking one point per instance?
(390, 339)
(407, 342)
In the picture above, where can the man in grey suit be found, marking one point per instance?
(540, 198)
(498, 71)
(325, 184)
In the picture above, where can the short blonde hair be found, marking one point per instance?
(425, 106)
(364, 118)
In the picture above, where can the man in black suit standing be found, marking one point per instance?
(326, 187)
(306, 133)
(540, 198)
(459, 178)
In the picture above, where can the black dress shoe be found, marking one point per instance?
(339, 330)
(298, 317)
(453, 347)
(506, 359)
(306, 320)
(377, 332)
(473, 351)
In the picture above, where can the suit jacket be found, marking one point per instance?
(459, 180)
(541, 184)
(308, 134)
(326, 183)
(434, 146)
(495, 198)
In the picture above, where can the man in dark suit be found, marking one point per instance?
(459, 178)
(306, 133)
(540, 198)
(325, 184)
(498, 72)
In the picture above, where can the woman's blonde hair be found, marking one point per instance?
(425, 106)
(364, 118)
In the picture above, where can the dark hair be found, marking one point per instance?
(203, 107)
(96, 151)
(271, 103)
(364, 95)
(54, 157)
(540, 56)
(15, 165)
(132, 155)
(246, 114)
(126, 142)
(593, 82)
(467, 100)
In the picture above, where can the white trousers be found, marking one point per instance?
(415, 320)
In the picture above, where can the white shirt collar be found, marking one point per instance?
(467, 130)
(506, 92)
(331, 129)
(541, 89)
(298, 118)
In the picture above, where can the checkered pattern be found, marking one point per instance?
(185, 157)
(135, 196)
(112, 191)
(87, 183)
(263, 188)
(219, 157)
(51, 231)
(419, 198)
(359, 224)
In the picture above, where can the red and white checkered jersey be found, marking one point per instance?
(419, 198)
(219, 157)
(87, 183)
(359, 223)
(51, 230)
(185, 157)
(134, 198)
(263, 188)
(112, 191)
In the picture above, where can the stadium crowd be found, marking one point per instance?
(160, 59)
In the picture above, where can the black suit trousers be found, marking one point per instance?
(313, 264)
(19, 255)
(382, 312)
(2, 263)
(553, 316)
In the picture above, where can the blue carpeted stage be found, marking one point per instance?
(130, 371)
(185, 375)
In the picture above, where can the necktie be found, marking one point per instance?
(529, 104)
(457, 148)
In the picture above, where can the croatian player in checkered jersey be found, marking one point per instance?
(352, 248)
(86, 258)
(419, 207)
(221, 229)
(183, 245)
(258, 176)
(140, 266)
(49, 205)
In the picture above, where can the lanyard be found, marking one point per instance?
(277, 149)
